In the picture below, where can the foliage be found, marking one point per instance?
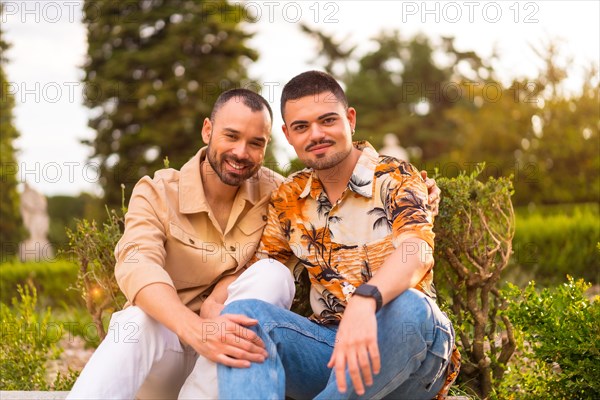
(54, 280)
(399, 88)
(77, 321)
(409, 99)
(153, 71)
(451, 105)
(63, 210)
(11, 231)
(554, 242)
(566, 151)
(560, 344)
(484, 133)
(28, 342)
(474, 232)
(93, 246)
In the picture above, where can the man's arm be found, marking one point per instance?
(215, 302)
(222, 339)
(141, 276)
(356, 342)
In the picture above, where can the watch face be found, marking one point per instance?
(366, 290)
(371, 291)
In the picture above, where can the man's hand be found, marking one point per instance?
(356, 346)
(225, 340)
(211, 308)
(433, 193)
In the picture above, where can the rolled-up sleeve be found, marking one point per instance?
(140, 253)
(408, 208)
(274, 243)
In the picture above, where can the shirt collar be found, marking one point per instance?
(191, 190)
(362, 180)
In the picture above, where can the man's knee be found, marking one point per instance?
(266, 280)
(413, 313)
(249, 307)
(411, 307)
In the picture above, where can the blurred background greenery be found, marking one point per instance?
(148, 66)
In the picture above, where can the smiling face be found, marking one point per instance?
(237, 140)
(319, 128)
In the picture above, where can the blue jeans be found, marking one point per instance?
(415, 342)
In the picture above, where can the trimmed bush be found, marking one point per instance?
(54, 281)
(474, 232)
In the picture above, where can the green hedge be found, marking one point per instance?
(54, 280)
(555, 241)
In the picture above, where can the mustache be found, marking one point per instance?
(324, 141)
(245, 163)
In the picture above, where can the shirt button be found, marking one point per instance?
(264, 217)
(191, 241)
(232, 248)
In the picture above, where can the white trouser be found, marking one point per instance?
(141, 358)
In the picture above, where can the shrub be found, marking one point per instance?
(54, 281)
(93, 246)
(474, 232)
(559, 343)
(28, 342)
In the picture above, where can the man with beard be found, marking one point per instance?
(188, 235)
(361, 225)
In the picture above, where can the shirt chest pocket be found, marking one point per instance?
(254, 221)
(192, 261)
(190, 240)
(247, 235)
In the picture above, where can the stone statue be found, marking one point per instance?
(35, 218)
(391, 147)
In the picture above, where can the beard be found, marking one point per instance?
(323, 161)
(227, 177)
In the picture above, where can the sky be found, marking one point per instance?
(49, 47)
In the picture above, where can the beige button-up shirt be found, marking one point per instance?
(171, 235)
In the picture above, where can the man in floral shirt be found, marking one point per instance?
(360, 224)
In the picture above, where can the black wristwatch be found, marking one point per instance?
(366, 290)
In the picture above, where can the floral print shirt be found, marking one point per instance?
(342, 245)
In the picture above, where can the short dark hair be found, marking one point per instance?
(254, 101)
(311, 83)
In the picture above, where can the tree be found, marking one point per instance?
(153, 71)
(64, 211)
(11, 230)
(460, 114)
(549, 140)
(399, 88)
(566, 146)
(491, 125)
